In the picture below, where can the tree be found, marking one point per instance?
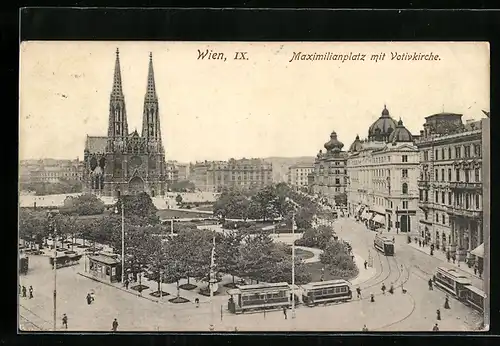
(227, 250)
(86, 204)
(139, 209)
(156, 259)
(178, 199)
(338, 261)
(175, 268)
(341, 199)
(231, 204)
(257, 256)
(196, 246)
(33, 226)
(182, 186)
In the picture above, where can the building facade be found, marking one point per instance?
(382, 177)
(297, 175)
(50, 170)
(124, 162)
(183, 171)
(329, 177)
(213, 176)
(450, 184)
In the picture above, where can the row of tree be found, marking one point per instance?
(266, 203)
(55, 188)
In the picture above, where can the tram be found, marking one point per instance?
(451, 281)
(384, 245)
(259, 297)
(326, 292)
(65, 260)
(475, 297)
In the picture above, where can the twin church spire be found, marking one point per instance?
(118, 125)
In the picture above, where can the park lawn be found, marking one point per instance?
(315, 271)
(181, 214)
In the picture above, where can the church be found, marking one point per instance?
(127, 163)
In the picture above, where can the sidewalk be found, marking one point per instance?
(364, 274)
(439, 254)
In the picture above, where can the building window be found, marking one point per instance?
(405, 188)
(467, 151)
(457, 174)
(449, 153)
(426, 215)
(476, 175)
(477, 150)
(449, 174)
(426, 196)
(442, 174)
(443, 219)
(404, 158)
(477, 201)
(426, 155)
(442, 198)
(436, 155)
(458, 152)
(420, 195)
(449, 198)
(405, 173)
(467, 174)
(337, 181)
(436, 176)
(437, 217)
(442, 154)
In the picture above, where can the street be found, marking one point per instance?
(413, 311)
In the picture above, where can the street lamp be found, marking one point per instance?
(293, 256)
(55, 268)
(123, 238)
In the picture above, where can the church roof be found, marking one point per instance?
(96, 144)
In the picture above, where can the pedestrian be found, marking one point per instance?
(366, 263)
(448, 256)
(453, 258)
(65, 321)
(284, 312)
(89, 299)
(446, 302)
(430, 284)
(24, 291)
(438, 315)
(436, 328)
(383, 288)
(420, 243)
(372, 298)
(391, 289)
(115, 325)
(31, 291)
(358, 290)
(126, 284)
(393, 240)
(197, 302)
(365, 329)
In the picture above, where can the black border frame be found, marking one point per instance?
(249, 25)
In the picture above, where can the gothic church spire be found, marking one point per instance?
(151, 118)
(118, 126)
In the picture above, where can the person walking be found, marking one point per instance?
(126, 284)
(31, 291)
(366, 263)
(383, 288)
(372, 298)
(358, 291)
(448, 256)
(430, 284)
(89, 299)
(65, 321)
(438, 315)
(115, 325)
(435, 328)
(365, 328)
(24, 291)
(446, 302)
(284, 312)
(197, 302)
(391, 289)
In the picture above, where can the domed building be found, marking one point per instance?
(382, 173)
(328, 178)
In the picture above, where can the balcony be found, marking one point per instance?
(461, 185)
(424, 204)
(464, 212)
(423, 183)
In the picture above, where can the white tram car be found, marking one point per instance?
(384, 245)
(326, 292)
(259, 297)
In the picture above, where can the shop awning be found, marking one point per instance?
(479, 251)
(379, 219)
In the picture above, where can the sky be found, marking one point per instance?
(260, 107)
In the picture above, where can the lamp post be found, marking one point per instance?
(293, 265)
(55, 277)
(212, 280)
(123, 238)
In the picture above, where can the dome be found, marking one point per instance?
(382, 127)
(356, 145)
(400, 134)
(333, 144)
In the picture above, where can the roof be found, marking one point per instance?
(476, 290)
(453, 272)
(104, 259)
(267, 285)
(321, 284)
(96, 144)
